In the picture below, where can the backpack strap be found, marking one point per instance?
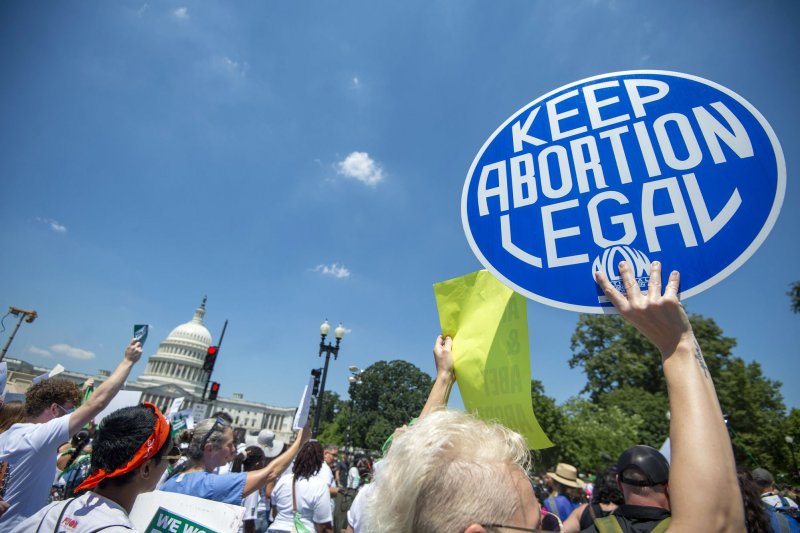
(60, 516)
(662, 526)
(553, 507)
(607, 524)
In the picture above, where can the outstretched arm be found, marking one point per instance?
(106, 392)
(440, 392)
(259, 478)
(702, 482)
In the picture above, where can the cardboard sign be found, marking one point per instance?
(488, 323)
(169, 512)
(636, 166)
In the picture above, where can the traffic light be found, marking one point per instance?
(317, 372)
(211, 357)
(212, 394)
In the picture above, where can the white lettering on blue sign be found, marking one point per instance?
(640, 165)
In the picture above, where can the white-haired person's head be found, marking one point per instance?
(452, 472)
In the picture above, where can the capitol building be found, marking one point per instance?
(176, 370)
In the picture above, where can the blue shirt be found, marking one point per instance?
(224, 488)
(564, 507)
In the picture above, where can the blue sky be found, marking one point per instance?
(297, 161)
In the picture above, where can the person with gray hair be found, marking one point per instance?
(210, 445)
(454, 473)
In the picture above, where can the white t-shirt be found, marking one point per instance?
(355, 516)
(31, 451)
(313, 502)
(250, 503)
(87, 512)
(326, 474)
(353, 478)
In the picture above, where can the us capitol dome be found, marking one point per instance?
(176, 370)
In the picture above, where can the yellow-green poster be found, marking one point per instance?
(488, 323)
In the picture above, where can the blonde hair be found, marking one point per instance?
(195, 437)
(446, 472)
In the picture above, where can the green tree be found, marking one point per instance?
(756, 415)
(330, 431)
(650, 407)
(794, 294)
(613, 354)
(623, 370)
(549, 417)
(389, 395)
(590, 433)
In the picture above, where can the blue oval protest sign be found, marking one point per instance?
(638, 165)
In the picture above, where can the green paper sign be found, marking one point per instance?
(491, 355)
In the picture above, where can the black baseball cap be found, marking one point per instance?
(645, 460)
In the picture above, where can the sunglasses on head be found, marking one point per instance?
(218, 423)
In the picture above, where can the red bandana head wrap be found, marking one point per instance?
(148, 449)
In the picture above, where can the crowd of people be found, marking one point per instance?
(449, 471)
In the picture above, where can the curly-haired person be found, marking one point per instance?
(51, 418)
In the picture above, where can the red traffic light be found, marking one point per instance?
(211, 357)
(212, 395)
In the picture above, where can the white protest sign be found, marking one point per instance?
(3, 378)
(53, 373)
(124, 398)
(301, 416)
(168, 512)
(200, 411)
(175, 407)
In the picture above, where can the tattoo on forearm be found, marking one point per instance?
(698, 354)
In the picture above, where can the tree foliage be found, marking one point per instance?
(794, 294)
(390, 394)
(623, 371)
(591, 434)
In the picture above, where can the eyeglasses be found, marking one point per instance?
(174, 455)
(66, 411)
(550, 522)
(219, 422)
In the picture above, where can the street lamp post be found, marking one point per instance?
(790, 441)
(23, 314)
(355, 379)
(329, 349)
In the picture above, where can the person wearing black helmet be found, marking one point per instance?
(643, 478)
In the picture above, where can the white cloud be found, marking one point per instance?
(54, 225)
(228, 67)
(38, 351)
(181, 13)
(336, 270)
(71, 351)
(142, 9)
(356, 82)
(360, 166)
